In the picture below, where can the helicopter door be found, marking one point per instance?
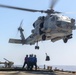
(53, 20)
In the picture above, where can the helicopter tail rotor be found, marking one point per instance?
(20, 27)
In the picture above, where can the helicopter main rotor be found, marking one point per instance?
(49, 11)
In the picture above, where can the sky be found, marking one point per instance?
(59, 52)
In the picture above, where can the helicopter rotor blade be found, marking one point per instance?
(21, 23)
(69, 12)
(19, 8)
(52, 4)
(30, 10)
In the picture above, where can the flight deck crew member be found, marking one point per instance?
(25, 61)
(30, 62)
(35, 62)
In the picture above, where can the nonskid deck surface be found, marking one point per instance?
(20, 71)
(34, 73)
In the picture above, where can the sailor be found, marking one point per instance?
(25, 61)
(35, 62)
(30, 62)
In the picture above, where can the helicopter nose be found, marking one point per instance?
(72, 20)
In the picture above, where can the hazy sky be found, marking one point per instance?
(59, 52)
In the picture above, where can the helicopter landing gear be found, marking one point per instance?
(65, 40)
(37, 47)
(67, 37)
(43, 37)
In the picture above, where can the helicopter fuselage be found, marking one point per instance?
(52, 27)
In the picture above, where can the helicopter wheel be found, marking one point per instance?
(43, 37)
(36, 47)
(69, 36)
(65, 40)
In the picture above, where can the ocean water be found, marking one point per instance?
(64, 67)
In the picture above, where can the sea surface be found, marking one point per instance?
(62, 67)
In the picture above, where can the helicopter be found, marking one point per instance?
(54, 26)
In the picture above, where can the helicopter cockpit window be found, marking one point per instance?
(41, 18)
(65, 18)
(34, 25)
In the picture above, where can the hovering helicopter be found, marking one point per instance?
(54, 26)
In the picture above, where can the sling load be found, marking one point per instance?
(47, 57)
